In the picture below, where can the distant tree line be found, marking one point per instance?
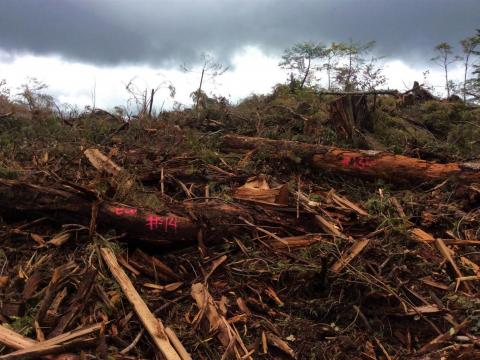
(349, 66)
(469, 88)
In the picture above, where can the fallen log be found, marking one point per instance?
(172, 226)
(367, 163)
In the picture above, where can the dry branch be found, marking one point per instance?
(153, 325)
(349, 255)
(28, 349)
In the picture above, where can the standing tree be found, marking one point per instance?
(348, 73)
(211, 69)
(301, 59)
(142, 95)
(332, 56)
(444, 59)
(468, 48)
(33, 95)
(371, 76)
(4, 91)
(474, 84)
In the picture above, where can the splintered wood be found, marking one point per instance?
(31, 349)
(102, 163)
(227, 334)
(13, 340)
(153, 325)
(346, 258)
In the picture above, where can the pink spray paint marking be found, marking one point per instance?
(357, 162)
(125, 211)
(152, 221)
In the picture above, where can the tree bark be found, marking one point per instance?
(67, 205)
(397, 168)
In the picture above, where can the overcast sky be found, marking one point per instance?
(77, 45)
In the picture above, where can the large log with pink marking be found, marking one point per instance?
(175, 225)
(358, 162)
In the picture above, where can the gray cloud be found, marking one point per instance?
(174, 31)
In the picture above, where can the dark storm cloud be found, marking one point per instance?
(175, 31)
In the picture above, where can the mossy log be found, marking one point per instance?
(378, 164)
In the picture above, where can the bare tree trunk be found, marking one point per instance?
(347, 83)
(151, 103)
(329, 76)
(465, 78)
(447, 85)
(199, 91)
(306, 73)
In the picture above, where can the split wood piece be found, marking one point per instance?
(423, 309)
(54, 352)
(422, 236)
(54, 345)
(31, 285)
(346, 258)
(293, 242)
(446, 253)
(467, 262)
(13, 340)
(280, 344)
(257, 189)
(65, 204)
(104, 164)
(128, 265)
(429, 281)
(400, 211)
(441, 339)
(153, 325)
(158, 266)
(77, 303)
(226, 334)
(375, 164)
(248, 156)
(51, 290)
(328, 226)
(465, 278)
(184, 355)
(343, 201)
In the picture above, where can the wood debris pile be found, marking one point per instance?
(132, 251)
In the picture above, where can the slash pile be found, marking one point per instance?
(153, 241)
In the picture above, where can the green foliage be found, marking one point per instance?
(444, 58)
(33, 94)
(355, 72)
(22, 325)
(300, 58)
(457, 126)
(346, 65)
(204, 147)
